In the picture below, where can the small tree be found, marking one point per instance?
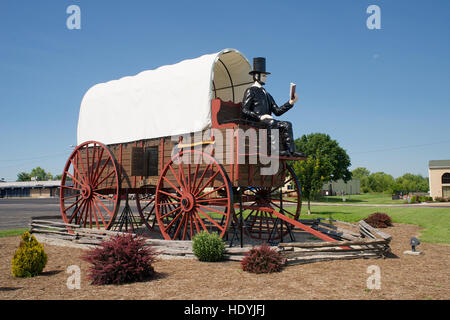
(311, 173)
(23, 176)
(30, 259)
(38, 173)
(321, 145)
(362, 174)
(41, 174)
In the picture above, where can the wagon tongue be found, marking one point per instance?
(299, 225)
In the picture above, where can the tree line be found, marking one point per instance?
(38, 173)
(327, 161)
(383, 182)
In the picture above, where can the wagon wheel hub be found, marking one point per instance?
(188, 202)
(263, 197)
(86, 192)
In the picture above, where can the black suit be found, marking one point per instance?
(258, 102)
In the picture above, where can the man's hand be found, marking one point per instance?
(265, 116)
(295, 99)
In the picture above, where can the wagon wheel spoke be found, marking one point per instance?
(83, 170)
(202, 177)
(99, 212)
(197, 167)
(207, 183)
(183, 178)
(76, 210)
(170, 213)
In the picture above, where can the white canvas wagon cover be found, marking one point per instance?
(170, 100)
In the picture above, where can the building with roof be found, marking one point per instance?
(30, 189)
(339, 187)
(439, 173)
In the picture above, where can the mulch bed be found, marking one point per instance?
(402, 277)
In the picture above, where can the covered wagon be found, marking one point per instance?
(174, 137)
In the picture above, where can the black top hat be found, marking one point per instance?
(259, 65)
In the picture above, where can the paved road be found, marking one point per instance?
(17, 213)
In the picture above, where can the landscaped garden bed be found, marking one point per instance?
(402, 277)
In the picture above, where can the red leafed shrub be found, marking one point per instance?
(262, 259)
(123, 259)
(379, 220)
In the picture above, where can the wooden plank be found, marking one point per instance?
(55, 223)
(39, 225)
(237, 250)
(330, 252)
(54, 236)
(36, 230)
(330, 243)
(327, 225)
(233, 257)
(311, 259)
(173, 252)
(87, 241)
(366, 232)
(374, 230)
(179, 243)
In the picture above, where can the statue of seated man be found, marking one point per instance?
(258, 106)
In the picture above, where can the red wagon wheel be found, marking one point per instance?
(259, 222)
(145, 203)
(90, 190)
(192, 196)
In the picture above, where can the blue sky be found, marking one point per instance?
(384, 95)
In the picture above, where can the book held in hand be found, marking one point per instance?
(292, 91)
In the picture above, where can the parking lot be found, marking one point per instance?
(16, 213)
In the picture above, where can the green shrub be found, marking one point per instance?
(262, 259)
(425, 199)
(30, 259)
(208, 246)
(365, 189)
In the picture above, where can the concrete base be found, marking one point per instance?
(413, 253)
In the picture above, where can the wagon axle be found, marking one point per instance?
(86, 191)
(188, 202)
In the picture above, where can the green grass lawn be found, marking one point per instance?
(434, 221)
(12, 232)
(365, 198)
